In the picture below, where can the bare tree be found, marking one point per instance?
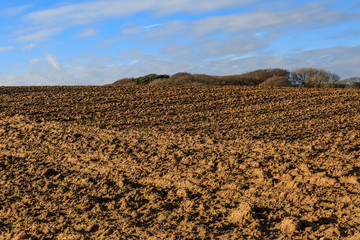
(313, 77)
(351, 80)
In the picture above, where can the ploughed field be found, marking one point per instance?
(179, 163)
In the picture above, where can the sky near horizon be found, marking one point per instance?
(82, 42)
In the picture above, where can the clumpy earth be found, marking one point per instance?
(179, 163)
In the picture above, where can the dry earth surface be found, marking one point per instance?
(179, 163)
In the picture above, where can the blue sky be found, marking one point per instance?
(100, 41)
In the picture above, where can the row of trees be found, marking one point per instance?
(303, 77)
(313, 77)
(353, 82)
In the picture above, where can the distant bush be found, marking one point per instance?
(237, 80)
(355, 85)
(149, 78)
(261, 75)
(160, 82)
(184, 78)
(265, 74)
(305, 77)
(124, 81)
(313, 77)
(276, 82)
(247, 79)
(181, 75)
(350, 81)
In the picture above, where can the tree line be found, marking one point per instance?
(307, 77)
(302, 77)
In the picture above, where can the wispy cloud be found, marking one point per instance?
(91, 73)
(88, 32)
(28, 46)
(347, 33)
(87, 12)
(302, 16)
(7, 12)
(340, 60)
(52, 61)
(41, 35)
(33, 61)
(152, 26)
(2, 49)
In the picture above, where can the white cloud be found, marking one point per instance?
(92, 73)
(264, 15)
(87, 12)
(52, 61)
(33, 61)
(152, 26)
(340, 60)
(28, 46)
(41, 35)
(7, 12)
(2, 49)
(304, 16)
(88, 32)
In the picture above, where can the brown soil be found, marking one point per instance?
(179, 163)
